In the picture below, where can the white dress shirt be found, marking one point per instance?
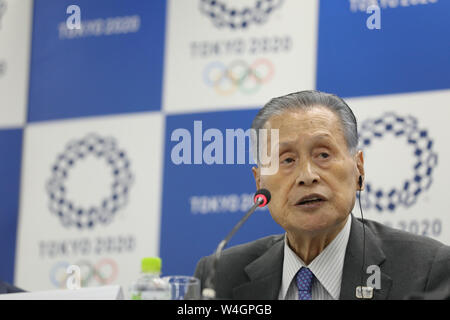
(327, 268)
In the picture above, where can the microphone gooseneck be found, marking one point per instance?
(261, 199)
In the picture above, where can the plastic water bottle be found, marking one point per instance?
(149, 286)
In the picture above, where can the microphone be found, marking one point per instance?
(261, 199)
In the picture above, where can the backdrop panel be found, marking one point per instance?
(203, 200)
(407, 160)
(409, 52)
(11, 148)
(90, 196)
(235, 54)
(15, 34)
(113, 64)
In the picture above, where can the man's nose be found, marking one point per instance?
(306, 175)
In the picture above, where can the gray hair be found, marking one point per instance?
(306, 100)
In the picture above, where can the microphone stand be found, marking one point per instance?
(209, 292)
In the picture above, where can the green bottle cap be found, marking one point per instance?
(151, 264)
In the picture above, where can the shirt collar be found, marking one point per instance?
(327, 266)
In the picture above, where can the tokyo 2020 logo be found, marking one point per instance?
(108, 152)
(224, 13)
(425, 160)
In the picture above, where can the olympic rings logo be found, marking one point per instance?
(104, 272)
(238, 75)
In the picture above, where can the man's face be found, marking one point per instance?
(315, 187)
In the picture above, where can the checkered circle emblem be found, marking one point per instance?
(426, 161)
(226, 15)
(102, 212)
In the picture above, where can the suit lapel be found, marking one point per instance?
(264, 274)
(351, 276)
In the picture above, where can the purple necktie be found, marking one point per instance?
(304, 280)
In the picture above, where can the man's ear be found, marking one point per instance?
(360, 166)
(257, 174)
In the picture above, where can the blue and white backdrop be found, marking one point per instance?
(90, 121)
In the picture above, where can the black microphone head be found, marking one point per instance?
(263, 194)
(360, 182)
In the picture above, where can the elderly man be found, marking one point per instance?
(325, 251)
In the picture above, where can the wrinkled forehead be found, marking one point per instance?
(310, 122)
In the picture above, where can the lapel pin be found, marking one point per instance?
(364, 292)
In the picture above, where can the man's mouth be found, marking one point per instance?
(311, 200)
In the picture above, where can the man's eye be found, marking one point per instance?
(288, 160)
(324, 155)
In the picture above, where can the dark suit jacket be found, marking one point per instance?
(7, 288)
(409, 264)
